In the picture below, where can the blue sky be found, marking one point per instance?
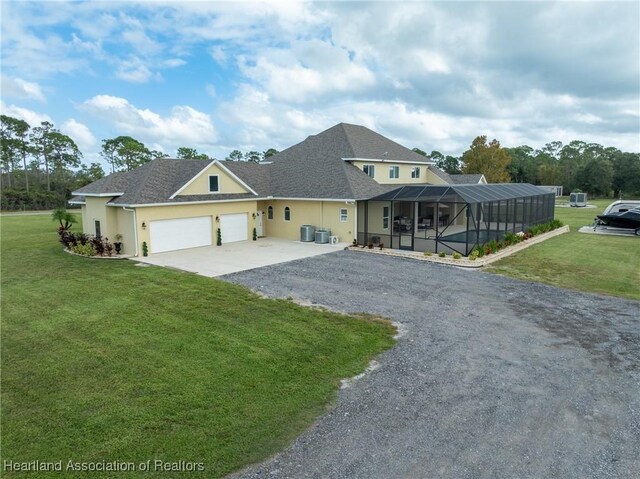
(224, 75)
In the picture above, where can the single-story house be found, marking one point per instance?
(172, 204)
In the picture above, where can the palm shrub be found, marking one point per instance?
(65, 219)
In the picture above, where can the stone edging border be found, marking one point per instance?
(464, 262)
(120, 257)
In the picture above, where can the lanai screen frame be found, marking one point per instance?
(482, 213)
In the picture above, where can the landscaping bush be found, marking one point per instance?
(84, 249)
(491, 247)
(543, 228)
(457, 255)
(510, 238)
(474, 255)
(83, 244)
(428, 253)
(442, 254)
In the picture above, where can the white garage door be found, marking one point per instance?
(233, 227)
(170, 235)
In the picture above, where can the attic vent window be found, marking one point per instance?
(214, 184)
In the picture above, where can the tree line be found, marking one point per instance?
(254, 156)
(40, 166)
(578, 165)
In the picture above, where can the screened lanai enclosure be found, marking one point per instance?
(451, 218)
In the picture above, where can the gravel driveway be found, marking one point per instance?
(493, 377)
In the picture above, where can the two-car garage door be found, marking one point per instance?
(170, 235)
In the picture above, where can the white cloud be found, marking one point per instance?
(173, 62)
(218, 54)
(34, 118)
(19, 88)
(211, 90)
(429, 74)
(311, 69)
(134, 70)
(80, 133)
(184, 126)
(141, 42)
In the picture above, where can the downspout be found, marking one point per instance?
(355, 219)
(135, 227)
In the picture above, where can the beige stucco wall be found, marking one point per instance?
(200, 185)
(433, 179)
(126, 229)
(375, 217)
(95, 210)
(324, 214)
(382, 172)
(113, 220)
(148, 214)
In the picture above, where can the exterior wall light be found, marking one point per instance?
(253, 215)
(217, 219)
(144, 225)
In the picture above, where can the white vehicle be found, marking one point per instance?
(621, 206)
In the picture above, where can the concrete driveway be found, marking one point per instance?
(492, 377)
(233, 257)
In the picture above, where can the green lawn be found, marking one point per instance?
(586, 262)
(103, 360)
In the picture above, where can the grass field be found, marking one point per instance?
(585, 262)
(103, 360)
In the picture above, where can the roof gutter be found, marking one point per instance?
(135, 227)
(97, 195)
(385, 160)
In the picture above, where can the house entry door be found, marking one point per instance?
(259, 230)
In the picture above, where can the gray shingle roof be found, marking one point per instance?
(443, 175)
(314, 168)
(253, 174)
(466, 179)
(153, 182)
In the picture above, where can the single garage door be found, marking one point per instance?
(234, 227)
(170, 235)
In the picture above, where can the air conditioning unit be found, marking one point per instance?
(333, 239)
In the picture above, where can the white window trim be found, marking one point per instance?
(346, 215)
(209, 183)
(369, 168)
(393, 169)
(385, 217)
(415, 172)
(284, 214)
(272, 210)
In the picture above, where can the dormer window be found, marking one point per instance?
(369, 170)
(415, 172)
(214, 184)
